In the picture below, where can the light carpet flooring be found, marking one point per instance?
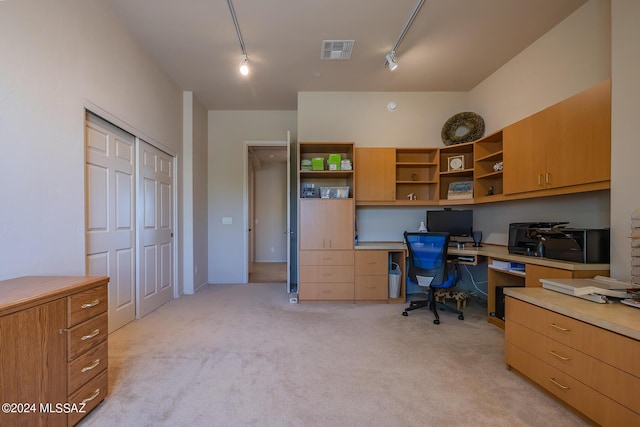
(242, 355)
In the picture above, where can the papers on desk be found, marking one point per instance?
(599, 289)
(512, 267)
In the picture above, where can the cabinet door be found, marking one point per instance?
(579, 151)
(537, 272)
(523, 167)
(33, 362)
(375, 174)
(312, 224)
(340, 223)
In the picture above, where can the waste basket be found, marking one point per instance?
(394, 280)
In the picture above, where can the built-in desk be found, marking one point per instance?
(535, 268)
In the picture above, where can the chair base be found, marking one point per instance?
(432, 304)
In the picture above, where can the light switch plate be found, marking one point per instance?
(227, 220)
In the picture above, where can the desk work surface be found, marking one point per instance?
(615, 317)
(492, 251)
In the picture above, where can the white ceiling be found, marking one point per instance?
(452, 45)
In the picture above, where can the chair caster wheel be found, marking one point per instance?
(436, 321)
(461, 317)
(404, 313)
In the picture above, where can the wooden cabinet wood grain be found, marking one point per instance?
(326, 224)
(53, 347)
(375, 174)
(565, 145)
(587, 367)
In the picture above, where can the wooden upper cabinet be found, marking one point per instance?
(375, 174)
(580, 153)
(567, 144)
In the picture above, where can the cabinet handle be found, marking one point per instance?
(547, 178)
(559, 357)
(564, 387)
(91, 335)
(327, 258)
(553, 325)
(91, 304)
(371, 262)
(539, 179)
(93, 396)
(90, 367)
(326, 274)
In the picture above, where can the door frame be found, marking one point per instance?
(245, 203)
(140, 135)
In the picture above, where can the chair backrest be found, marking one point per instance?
(427, 257)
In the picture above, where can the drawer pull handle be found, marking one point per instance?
(553, 325)
(90, 367)
(564, 387)
(372, 262)
(91, 335)
(91, 304)
(326, 274)
(93, 396)
(559, 357)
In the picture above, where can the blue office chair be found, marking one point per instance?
(428, 268)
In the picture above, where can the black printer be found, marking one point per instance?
(556, 241)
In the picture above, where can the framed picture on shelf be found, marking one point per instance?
(460, 190)
(455, 163)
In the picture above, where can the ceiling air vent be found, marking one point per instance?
(336, 49)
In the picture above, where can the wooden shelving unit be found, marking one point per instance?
(416, 174)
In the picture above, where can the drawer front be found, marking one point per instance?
(594, 405)
(372, 288)
(338, 273)
(326, 257)
(87, 366)
(88, 397)
(84, 336)
(617, 350)
(608, 380)
(325, 291)
(87, 304)
(372, 262)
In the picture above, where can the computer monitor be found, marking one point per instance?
(458, 223)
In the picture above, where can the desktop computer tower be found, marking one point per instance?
(499, 313)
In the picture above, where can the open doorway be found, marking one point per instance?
(267, 207)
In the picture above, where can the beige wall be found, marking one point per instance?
(228, 130)
(625, 149)
(571, 57)
(57, 58)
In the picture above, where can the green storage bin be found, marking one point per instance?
(317, 163)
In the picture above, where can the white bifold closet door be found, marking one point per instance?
(155, 229)
(110, 232)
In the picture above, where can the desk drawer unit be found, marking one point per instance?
(87, 349)
(371, 275)
(587, 367)
(326, 275)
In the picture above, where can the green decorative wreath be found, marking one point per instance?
(471, 121)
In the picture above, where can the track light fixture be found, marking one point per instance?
(391, 59)
(244, 65)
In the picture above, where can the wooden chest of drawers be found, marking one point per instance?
(326, 275)
(372, 276)
(53, 348)
(593, 370)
